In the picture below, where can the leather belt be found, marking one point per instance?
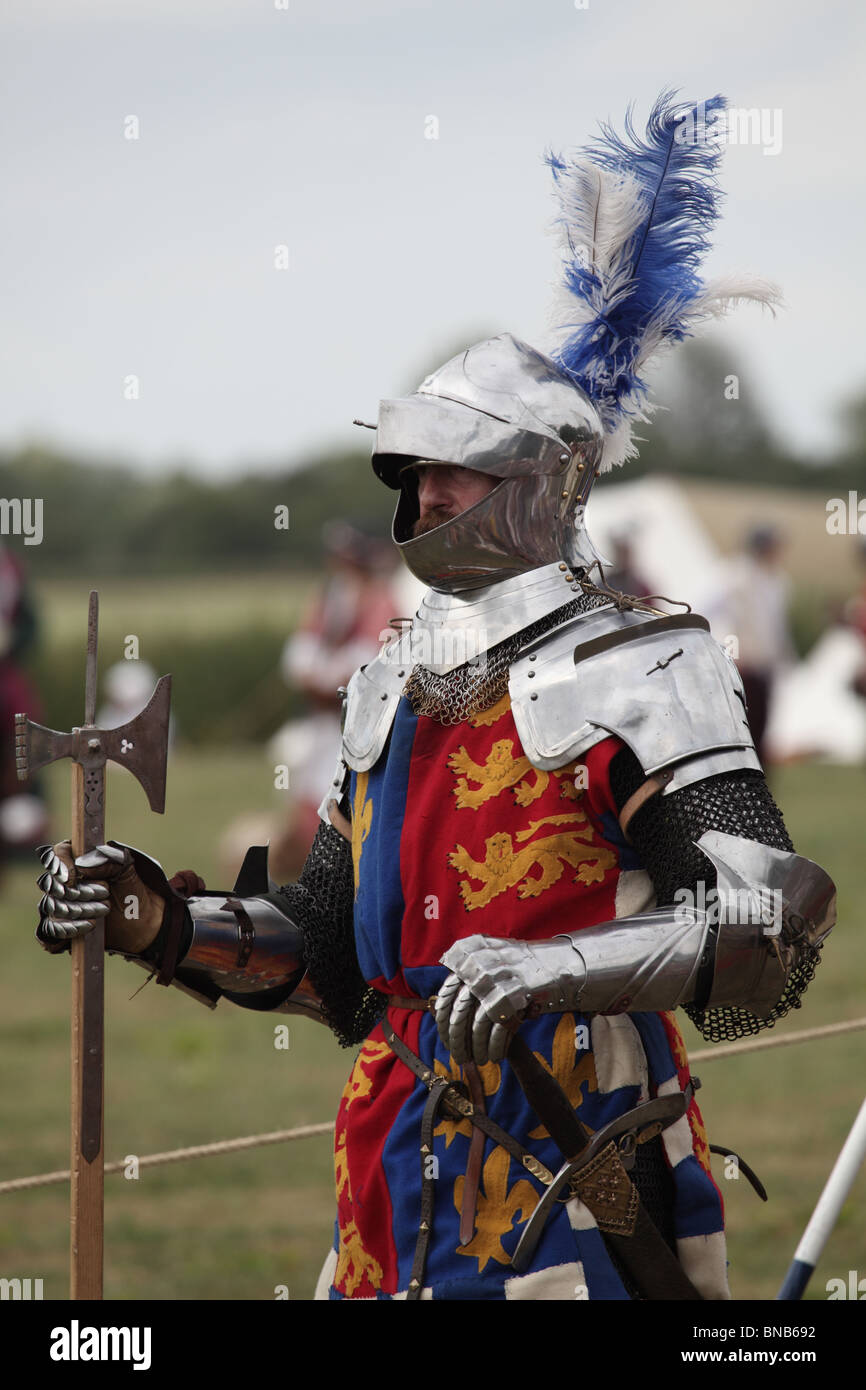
(445, 1094)
(595, 1169)
(461, 1107)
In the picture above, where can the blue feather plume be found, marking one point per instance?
(637, 215)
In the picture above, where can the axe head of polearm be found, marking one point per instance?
(141, 745)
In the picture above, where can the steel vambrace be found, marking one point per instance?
(248, 950)
(736, 947)
(245, 948)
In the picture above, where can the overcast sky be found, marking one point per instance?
(306, 125)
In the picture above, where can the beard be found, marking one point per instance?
(435, 517)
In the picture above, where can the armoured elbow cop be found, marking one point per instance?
(738, 946)
(769, 910)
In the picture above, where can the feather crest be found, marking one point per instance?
(635, 222)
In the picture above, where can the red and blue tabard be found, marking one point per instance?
(454, 832)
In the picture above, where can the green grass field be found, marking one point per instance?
(239, 1226)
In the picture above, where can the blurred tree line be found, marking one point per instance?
(108, 522)
(120, 519)
(710, 424)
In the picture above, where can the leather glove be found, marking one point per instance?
(494, 981)
(101, 883)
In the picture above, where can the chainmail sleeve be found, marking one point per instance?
(322, 903)
(664, 831)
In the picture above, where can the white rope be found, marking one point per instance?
(220, 1146)
(805, 1035)
(282, 1136)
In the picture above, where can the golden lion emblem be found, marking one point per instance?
(505, 866)
(500, 771)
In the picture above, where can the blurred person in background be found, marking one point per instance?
(23, 814)
(344, 626)
(754, 603)
(623, 573)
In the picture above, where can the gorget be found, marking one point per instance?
(450, 630)
(456, 694)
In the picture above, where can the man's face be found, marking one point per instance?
(444, 491)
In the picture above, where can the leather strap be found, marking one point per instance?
(164, 950)
(462, 1108)
(425, 1228)
(443, 1093)
(547, 1099)
(744, 1167)
(246, 930)
(475, 1162)
(175, 918)
(646, 1256)
(408, 1001)
(652, 1264)
(651, 787)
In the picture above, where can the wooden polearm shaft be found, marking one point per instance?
(141, 746)
(88, 1023)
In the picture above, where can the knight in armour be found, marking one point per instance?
(544, 792)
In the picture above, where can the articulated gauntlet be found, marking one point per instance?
(290, 949)
(738, 941)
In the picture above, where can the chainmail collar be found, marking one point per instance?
(478, 684)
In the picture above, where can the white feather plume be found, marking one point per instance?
(600, 212)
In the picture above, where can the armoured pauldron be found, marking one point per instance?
(660, 682)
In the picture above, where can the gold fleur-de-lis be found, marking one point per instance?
(354, 1262)
(570, 1077)
(497, 1210)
